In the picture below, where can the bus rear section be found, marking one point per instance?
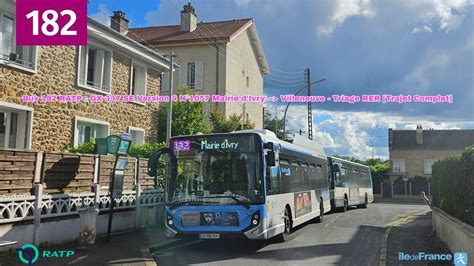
(350, 183)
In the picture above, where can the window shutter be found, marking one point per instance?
(165, 81)
(99, 68)
(183, 71)
(199, 75)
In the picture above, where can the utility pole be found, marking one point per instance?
(310, 110)
(276, 119)
(243, 115)
(170, 103)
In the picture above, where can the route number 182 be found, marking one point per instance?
(50, 26)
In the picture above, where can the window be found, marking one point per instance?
(95, 68)
(87, 129)
(10, 53)
(191, 75)
(138, 135)
(15, 126)
(398, 166)
(138, 79)
(427, 165)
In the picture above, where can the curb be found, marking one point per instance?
(399, 221)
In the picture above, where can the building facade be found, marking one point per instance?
(413, 152)
(111, 64)
(216, 58)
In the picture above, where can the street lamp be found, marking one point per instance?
(288, 105)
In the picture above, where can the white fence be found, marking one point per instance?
(33, 210)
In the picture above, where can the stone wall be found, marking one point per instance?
(414, 159)
(457, 235)
(53, 123)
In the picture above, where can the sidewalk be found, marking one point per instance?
(411, 236)
(130, 248)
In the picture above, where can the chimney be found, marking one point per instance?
(119, 23)
(419, 135)
(188, 18)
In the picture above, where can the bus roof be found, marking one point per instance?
(347, 161)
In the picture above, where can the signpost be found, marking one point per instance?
(119, 146)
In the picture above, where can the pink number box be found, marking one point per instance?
(66, 23)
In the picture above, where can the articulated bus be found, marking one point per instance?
(244, 184)
(350, 183)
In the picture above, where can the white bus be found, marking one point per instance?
(350, 183)
(243, 184)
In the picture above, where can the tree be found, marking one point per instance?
(269, 122)
(221, 124)
(188, 118)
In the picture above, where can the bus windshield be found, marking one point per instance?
(216, 170)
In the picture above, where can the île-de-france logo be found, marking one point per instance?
(28, 254)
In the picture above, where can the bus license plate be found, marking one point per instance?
(209, 236)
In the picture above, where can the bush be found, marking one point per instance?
(453, 181)
(144, 150)
(86, 148)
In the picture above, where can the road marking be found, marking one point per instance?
(401, 220)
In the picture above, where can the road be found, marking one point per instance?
(350, 238)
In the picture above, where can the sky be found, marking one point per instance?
(359, 47)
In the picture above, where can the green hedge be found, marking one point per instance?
(452, 183)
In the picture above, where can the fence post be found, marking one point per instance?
(38, 165)
(96, 169)
(381, 188)
(96, 194)
(410, 189)
(391, 189)
(37, 212)
(429, 189)
(137, 206)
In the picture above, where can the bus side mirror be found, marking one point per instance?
(336, 168)
(270, 158)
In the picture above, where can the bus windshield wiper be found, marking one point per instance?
(188, 202)
(243, 203)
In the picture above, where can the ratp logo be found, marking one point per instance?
(28, 254)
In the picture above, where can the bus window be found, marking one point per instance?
(343, 177)
(305, 173)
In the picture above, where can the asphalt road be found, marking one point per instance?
(350, 238)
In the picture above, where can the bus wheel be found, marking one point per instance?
(320, 218)
(346, 204)
(285, 236)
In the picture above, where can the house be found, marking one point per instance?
(216, 58)
(111, 64)
(413, 152)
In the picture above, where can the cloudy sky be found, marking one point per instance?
(359, 47)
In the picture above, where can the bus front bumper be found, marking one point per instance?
(258, 233)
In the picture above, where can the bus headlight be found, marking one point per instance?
(169, 219)
(255, 218)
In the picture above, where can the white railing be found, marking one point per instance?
(22, 207)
